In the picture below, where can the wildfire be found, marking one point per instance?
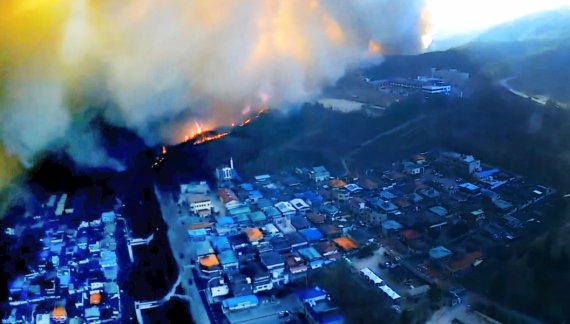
(202, 135)
(209, 138)
(164, 150)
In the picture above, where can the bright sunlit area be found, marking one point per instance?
(452, 17)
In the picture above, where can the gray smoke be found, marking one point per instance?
(156, 66)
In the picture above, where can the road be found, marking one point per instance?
(542, 100)
(183, 254)
(344, 160)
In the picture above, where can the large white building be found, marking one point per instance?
(200, 204)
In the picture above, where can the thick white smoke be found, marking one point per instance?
(149, 64)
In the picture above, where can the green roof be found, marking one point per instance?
(257, 216)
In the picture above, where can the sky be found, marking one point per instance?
(451, 17)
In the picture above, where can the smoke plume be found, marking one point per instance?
(156, 66)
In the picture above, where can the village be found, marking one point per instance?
(420, 226)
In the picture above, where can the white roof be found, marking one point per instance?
(299, 204)
(285, 207)
(390, 292)
(372, 276)
(352, 187)
(270, 228)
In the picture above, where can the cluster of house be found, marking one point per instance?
(278, 227)
(75, 277)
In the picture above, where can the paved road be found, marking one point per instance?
(183, 254)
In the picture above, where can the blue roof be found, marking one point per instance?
(311, 294)
(227, 257)
(391, 225)
(198, 232)
(263, 203)
(254, 194)
(247, 186)
(225, 221)
(439, 252)
(240, 210)
(312, 234)
(310, 253)
(236, 301)
(487, 173)
(311, 196)
(220, 243)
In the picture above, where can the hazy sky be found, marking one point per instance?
(460, 16)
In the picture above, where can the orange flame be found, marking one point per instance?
(164, 149)
(374, 47)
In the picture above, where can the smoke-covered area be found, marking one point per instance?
(156, 66)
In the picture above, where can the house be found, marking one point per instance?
(296, 240)
(271, 212)
(439, 253)
(374, 218)
(353, 188)
(318, 307)
(254, 234)
(218, 287)
(238, 241)
(300, 205)
(326, 248)
(412, 168)
(240, 285)
(280, 244)
(330, 230)
(228, 260)
(275, 264)
(346, 243)
(312, 256)
(461, 162)
(260, 277)
(209, 264)
(295, 263)
(228, 198)
(197, 188)
(357, 205)
(200, 204)
(340, 194)
(299, 222)
(319, 174)
(391, 226)
(257, 217)
(285, 208)
(311, 234)
(284, 225)
(240, 303)
(269, 230)
(463, 262)
(316, 218)
(367, 184)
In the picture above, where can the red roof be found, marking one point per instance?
(463, 262)
(410, 235)
(227, 195)
(367, 184)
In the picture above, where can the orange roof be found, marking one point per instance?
(346, 243)
(200, 225)
(254, 234)
(95, 298)
(209, 261)
(337, 183)
(59, 312)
